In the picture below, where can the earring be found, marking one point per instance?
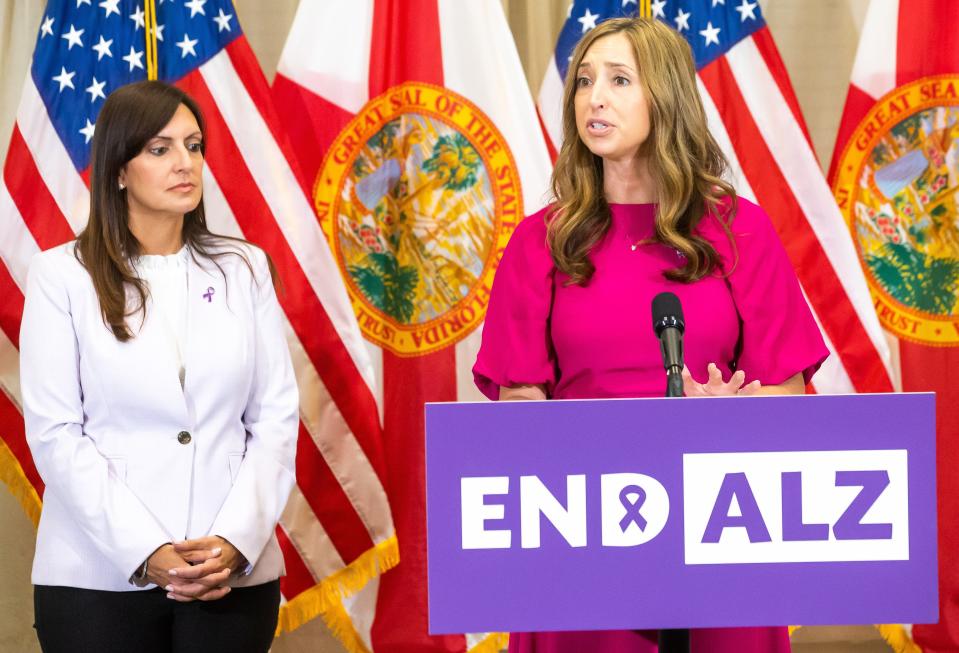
(122, 187)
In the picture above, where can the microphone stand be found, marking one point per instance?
(669, 326)
(674, 382)
(674, 640)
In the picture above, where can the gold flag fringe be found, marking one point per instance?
(897, 638)
(492, 643)
(11, 473)
(325, 599)
(894, 634)
(338, 622)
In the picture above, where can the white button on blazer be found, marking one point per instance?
(105, 421)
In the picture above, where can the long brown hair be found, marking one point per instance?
(684, 159)
(130, 117)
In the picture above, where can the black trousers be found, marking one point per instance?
(72, 620)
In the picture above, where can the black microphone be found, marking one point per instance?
(669, 326)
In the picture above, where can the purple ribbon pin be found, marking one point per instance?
(633, 516)
(208, 295)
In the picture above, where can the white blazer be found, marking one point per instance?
(130, 459)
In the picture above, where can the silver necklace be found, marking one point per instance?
(634, 245)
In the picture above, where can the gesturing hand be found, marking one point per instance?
(209, 561)
(715, 386)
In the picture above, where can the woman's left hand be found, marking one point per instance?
(212, 560)
(716, 387)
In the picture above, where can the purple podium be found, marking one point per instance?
(681, 513)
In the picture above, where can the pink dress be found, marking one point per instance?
(597, 341)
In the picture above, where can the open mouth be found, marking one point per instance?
(598, 126)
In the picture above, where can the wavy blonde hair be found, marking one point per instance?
(684, 159)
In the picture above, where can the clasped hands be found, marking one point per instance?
(716, 387)
(194, 570)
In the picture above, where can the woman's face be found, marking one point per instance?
(166, 178)
(612, 111)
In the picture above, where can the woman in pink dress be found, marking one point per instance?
(640, 208)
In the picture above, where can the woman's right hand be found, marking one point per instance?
(166, 558)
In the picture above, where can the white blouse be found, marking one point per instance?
(166, 277)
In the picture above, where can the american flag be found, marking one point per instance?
(754, 116)
(337, 531)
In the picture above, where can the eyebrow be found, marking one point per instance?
(608, 64)
(170, 138)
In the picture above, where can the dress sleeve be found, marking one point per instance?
(780, 337)
(516, 347)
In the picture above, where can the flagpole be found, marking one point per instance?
(151, 38)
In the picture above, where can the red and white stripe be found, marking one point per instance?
(755, 118)
(339, 509)
(338, 56)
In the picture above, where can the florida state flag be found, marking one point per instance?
(421, 149)
(895, 175)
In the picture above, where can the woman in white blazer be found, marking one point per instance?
(160, 405)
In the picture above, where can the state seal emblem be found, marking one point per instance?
(418, 196)
(896, 185)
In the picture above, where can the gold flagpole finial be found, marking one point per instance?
(151, 37)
